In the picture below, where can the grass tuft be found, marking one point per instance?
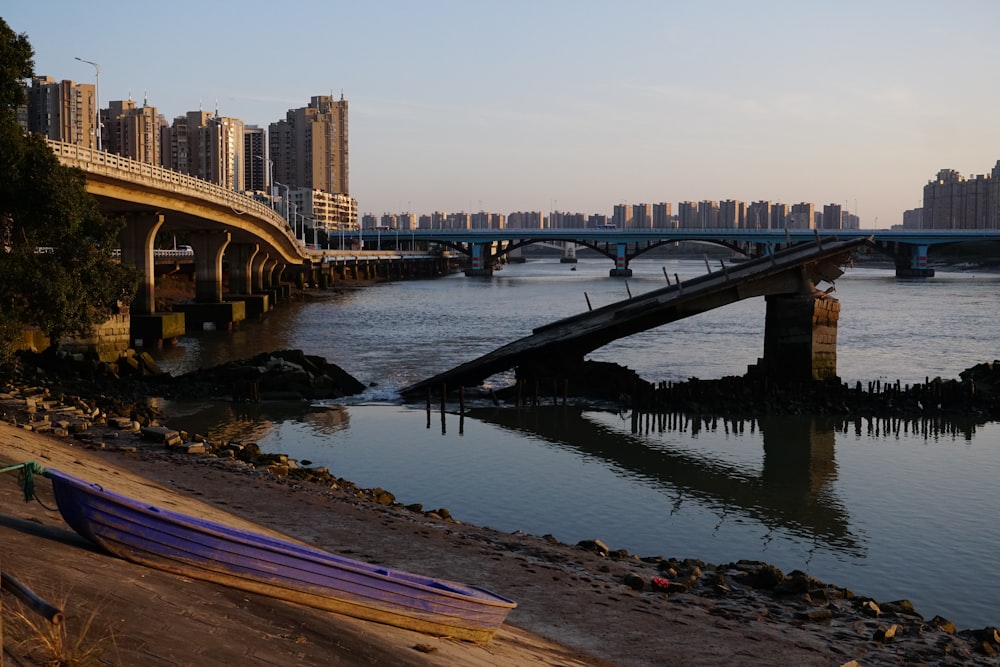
(76, 642)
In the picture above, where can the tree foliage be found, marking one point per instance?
(57, 272)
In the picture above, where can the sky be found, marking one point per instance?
(574, 105)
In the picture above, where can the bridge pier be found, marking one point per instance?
(146, 327)
(800, 338)
(240, 258)
(621, 269)
(208, 306)
(912, 264)
(477, 261)
(136, 242)
(569, 253)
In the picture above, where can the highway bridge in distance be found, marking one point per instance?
(487, 247)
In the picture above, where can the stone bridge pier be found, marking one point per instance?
(800, 338)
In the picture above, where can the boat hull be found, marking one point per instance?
(249, 561)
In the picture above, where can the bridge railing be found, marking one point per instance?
(109, 164)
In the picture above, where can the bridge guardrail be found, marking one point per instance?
(94, 161)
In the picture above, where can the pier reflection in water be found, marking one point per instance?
(785, 489)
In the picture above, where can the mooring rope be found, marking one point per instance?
(26, 477)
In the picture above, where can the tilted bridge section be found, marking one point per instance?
(788, 278)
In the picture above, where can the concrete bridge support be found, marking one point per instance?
(569, 253)
(239, 257)
(209, 247)
(911, 262)
(146, 327)
(136, 242)
(478, 265)
(621, 269)
(800, 337)
(208, 306)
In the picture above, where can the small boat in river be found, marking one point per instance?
(278, 568)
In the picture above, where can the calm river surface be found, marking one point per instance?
(890, 510)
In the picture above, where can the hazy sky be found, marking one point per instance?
(574, 105)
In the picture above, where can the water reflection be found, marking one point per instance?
(224, 421)
(793, 491)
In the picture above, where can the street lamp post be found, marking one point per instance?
(97, 94)
(286, 201)
(268, 171)
(312, 224)
(293, 221)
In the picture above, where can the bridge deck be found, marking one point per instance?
(790, 271)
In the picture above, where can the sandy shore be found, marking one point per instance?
(575, 606)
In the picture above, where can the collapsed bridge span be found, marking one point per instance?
(789, 277)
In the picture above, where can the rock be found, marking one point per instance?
(987, 634)
(765, 576)
(870, 608)
(900, 608)
(942, 624)
(634, 581)
(383, 497)
(815, 615)
(596, 546)
(163, 435)
(885, 634)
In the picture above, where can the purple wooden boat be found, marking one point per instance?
(249, 561)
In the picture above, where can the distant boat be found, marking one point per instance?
(282, 569)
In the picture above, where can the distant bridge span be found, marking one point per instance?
(484, 246)
(793, 271)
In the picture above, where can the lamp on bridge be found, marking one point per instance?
(97, 94)
(268, 172)
(286, 202)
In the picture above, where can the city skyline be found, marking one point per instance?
(576, 106)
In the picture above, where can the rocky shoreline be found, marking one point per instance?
(887, 632)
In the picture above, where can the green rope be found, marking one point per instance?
(26, 477)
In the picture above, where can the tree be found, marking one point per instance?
(57, 272)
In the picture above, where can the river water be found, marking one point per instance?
(889, 509)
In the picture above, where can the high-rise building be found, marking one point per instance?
(62, 111)
(732, 214)
(642, 216)
(525, 220)
(953, 202)
(780, 216)
(310, 146)
(708, 214)
(131, 131)
(256, 172)
(832, 217)
(663, 215)
(687, 215)
(206, 146)
(803, 216)
(758, 215)
(622, 216)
